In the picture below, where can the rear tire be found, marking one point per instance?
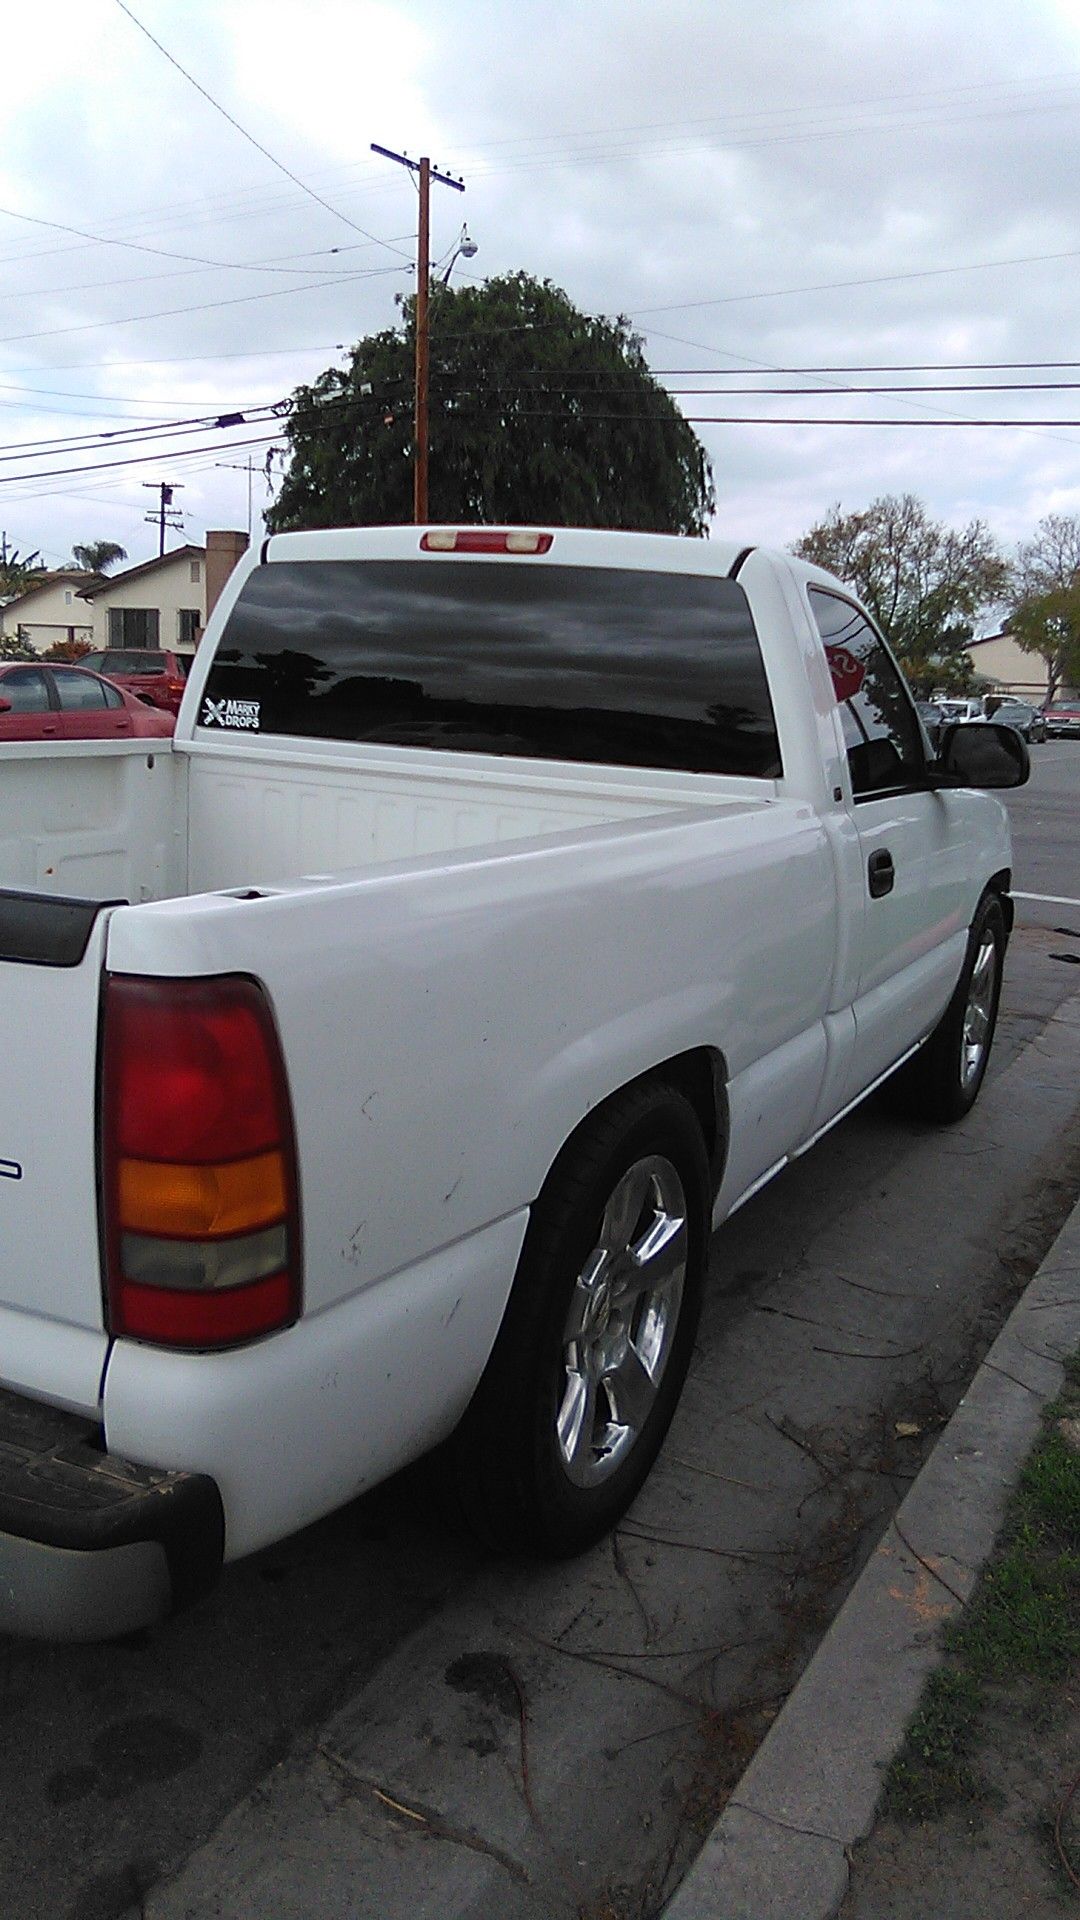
(941, 1084)
(590, 1360)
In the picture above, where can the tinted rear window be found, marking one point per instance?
(553, 663)
(126, 662)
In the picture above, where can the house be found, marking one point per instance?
(163, 602)
(52, 609)
(1007, 667)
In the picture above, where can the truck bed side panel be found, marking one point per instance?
(460, 1019)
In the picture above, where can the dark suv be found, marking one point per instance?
(151, 673)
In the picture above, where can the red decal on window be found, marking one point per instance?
(848, 673)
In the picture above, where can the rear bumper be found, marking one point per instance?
(92, 1546)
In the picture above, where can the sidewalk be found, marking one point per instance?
(787, 1847)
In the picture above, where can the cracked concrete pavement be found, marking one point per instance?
(558, 1740)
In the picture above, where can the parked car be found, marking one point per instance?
(54, 702)
(1061, 718)
(1027, 720)
(508, 908)
(960, 712)
(933, 720)
(153, 673)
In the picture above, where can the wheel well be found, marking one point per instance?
(1001, 883)
(701, 1077)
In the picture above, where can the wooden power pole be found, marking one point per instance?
(425, 173)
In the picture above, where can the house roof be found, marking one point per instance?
(56, 577)
(146, 566)
(985, 639)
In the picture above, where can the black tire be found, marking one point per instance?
(941, 1084)
(513, 1465)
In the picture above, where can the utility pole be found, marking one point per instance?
(162, 517)
(235, 466)
(425, 173)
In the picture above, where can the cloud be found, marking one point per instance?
(722, 181)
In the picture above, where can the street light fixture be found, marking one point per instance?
(466, 247)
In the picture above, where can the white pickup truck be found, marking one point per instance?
(376, 1055)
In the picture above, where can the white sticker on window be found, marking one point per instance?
(230, 713)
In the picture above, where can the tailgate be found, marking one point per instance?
(52, 1334)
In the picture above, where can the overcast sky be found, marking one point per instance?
(806, 184)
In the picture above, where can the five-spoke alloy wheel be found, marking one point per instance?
(590, 1360)
(942, 1082)
(620, 1329)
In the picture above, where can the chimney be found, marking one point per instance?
(223, 550)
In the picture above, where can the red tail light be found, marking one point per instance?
(200, 1192)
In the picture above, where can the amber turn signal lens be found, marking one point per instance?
(232, 1196)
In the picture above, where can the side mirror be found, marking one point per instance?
(982, 754)
(5, 705)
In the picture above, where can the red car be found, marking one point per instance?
(1062, 719)
(48, 701)
(153, 673)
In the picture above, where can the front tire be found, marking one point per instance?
(942, 1083)
(590, 1360)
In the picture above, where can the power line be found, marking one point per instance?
(617, 419)
(134, 460)
(182, 212)
(130, 436)
(202, 306)
(163, 253)
(1000, 386)
(762, 367)
(921, 96)
(875, 280)
(311, 254)
(250, 137)
(170, 360)
(918, 366)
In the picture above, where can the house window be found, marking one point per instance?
(67, 596)
(196, 572)
(187, 626)
(134, 627)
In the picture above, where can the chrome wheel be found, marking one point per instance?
(621, 1322)
(979, 1012)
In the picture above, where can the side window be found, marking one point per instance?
(78, 691)
(27, 690)
(881, 730)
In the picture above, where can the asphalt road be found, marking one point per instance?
(1045, 819)
(378, 1654)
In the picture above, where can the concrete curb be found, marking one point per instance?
(780, 1850)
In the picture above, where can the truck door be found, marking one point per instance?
(911, 859)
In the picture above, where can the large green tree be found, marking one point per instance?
(1045, 612)
(539, 414)
(925, 583)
